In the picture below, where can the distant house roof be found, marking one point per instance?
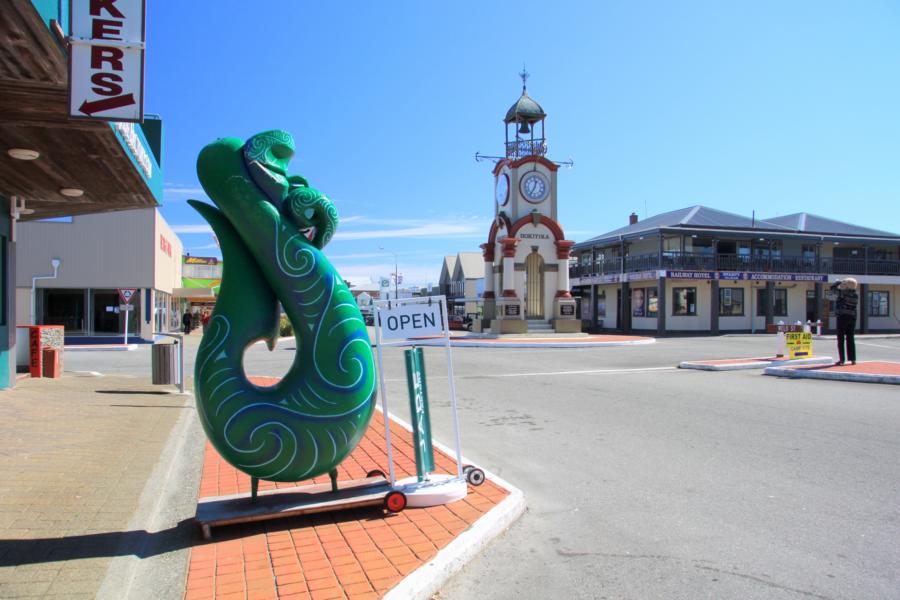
(447, 270)
(702, 217)
(469, 265)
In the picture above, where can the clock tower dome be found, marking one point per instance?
(526, 255)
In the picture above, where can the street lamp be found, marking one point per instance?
(396, 275)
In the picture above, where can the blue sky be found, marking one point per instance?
(772, 106)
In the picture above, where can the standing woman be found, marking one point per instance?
(845, 308)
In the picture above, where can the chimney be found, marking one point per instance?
(632, 218)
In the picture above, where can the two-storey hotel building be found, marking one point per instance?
(702, 270)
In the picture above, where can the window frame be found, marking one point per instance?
(887, 304)
(761, 303)
(688, 313)
(651, 292)
(740, 290)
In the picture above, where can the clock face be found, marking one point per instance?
(535, 187)
(502, 190)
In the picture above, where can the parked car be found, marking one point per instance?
(459, 322)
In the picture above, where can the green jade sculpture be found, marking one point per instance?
(272, 227)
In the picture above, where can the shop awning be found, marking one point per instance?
(195, 294)
(116, 165)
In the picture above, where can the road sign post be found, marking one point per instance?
(126, 294)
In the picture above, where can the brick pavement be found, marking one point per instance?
(351, 554)
(76, 455)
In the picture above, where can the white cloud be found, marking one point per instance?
(413, 275)
(177, 188)
(191, 229)
(431, 230)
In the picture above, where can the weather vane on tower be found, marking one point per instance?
(524, 75)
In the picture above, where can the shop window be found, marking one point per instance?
(780, 302)
(638, 302)
(601, 303)
(64, 307)
(879, 305)
(731, 302)
(108, 317)
(652, 303)
(684, 302)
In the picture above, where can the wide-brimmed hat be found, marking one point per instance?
(849, 284)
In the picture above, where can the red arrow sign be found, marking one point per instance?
(89, 108)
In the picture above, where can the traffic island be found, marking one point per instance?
(862, 372)
(357, 553)
(739, 364)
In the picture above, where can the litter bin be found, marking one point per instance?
(52, 366)
(162, 361)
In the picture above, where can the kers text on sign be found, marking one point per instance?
(106, 61)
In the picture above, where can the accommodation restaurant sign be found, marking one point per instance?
(106, 60)
(707, 275)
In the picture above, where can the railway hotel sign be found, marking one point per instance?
(106, 60)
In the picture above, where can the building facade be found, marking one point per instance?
(51, 165)
(702, 270)
(526, 278)
(98, 255)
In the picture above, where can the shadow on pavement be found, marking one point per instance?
(141, 544)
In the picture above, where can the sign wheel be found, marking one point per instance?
(395, 501)
(475, 476)
(375, 473)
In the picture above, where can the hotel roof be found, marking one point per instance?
(704, 218)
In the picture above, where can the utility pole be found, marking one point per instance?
(396, 274)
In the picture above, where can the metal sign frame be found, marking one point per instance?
(380, 305)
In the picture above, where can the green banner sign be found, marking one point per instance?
(418, 409)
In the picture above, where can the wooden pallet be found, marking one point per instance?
(289, 502)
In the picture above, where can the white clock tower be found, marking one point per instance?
(526, 270)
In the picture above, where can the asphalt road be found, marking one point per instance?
(645, 481)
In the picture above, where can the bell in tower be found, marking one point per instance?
(524, 116)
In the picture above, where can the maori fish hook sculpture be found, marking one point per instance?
(272, 227)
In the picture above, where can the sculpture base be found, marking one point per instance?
(290, 502)
(438, 489)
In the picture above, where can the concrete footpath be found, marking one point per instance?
(100, 480)
(91, 496)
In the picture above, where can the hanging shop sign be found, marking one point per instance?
(106, 60)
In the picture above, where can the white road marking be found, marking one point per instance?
(877, 345)
(548, 373)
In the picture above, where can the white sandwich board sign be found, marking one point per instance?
(106, 59)
(404, 321)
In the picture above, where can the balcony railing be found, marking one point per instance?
(691, 261)
(521, 148)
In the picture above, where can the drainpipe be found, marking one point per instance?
(55, 263)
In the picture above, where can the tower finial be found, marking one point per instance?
(524, 75)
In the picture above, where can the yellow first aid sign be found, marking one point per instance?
(799, 344)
